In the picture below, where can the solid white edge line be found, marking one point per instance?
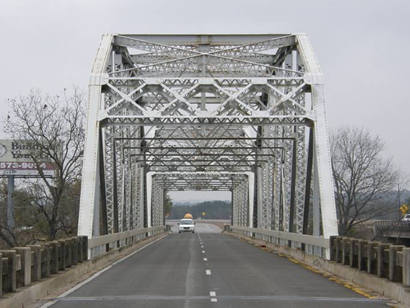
(76, 287)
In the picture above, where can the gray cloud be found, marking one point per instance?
(363, 47)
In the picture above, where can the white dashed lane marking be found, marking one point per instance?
(208, 272)
(205, 259)
(214, 300)
(203, 251)
(212, 293)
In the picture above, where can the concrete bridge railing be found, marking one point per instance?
(21, 266)
(381, 267)
(384, 260)
(312, 245)
(101, 245)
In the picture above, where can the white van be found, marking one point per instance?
(186, 225)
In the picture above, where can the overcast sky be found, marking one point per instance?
(363, 48)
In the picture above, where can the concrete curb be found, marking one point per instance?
(58, 283)
(382, 286)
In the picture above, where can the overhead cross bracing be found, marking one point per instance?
(241, 113)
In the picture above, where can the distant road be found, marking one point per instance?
(200, 227)
(208, 269)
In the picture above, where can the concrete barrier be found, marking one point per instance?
(312, 245)
(375, 266)
(21, 266)
(383, 260)
(101, 245)
(58, 283)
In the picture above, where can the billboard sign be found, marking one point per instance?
(15, 159)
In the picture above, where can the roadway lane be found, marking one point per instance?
(210, 270)
(201, 227)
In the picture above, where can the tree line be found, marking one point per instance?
(205, 210)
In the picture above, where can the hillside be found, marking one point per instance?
(212, 210)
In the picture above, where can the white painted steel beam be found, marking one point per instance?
(206, 112)
(90, 183)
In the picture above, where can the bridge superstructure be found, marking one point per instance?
(240, 113)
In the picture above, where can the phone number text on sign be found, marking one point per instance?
(23, 166)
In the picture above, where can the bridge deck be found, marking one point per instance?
(174, 273)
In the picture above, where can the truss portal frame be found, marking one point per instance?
(239, 113)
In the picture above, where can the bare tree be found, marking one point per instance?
(362, 177)
(167, 205)
(53, 126)
(26, 217)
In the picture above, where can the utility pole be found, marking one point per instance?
(10, 202)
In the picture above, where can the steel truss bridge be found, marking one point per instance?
(238, 113)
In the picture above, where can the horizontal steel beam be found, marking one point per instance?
(202, 39)
(194, 121)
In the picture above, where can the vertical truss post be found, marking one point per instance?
(232, 205)
(309, 171)
(292, 208)
(103, 221)
(325, 180)
(90, 184)
(327, 198)
(316, 200)
(251, 200)
(149, 192)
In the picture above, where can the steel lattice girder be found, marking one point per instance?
(195, 112)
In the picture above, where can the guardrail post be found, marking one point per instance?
(47, 263)
(369, 256)
(344, 250)
(54, 257)
(332, 241)
(393, 273)
(76, 254)
(352, 248)
(11, 281)
(381, 272)
(361, 253)
(69, 245)
(36, 268)
(74, 244)
(80, 249)
(338, 242)
(83, 248)
(24, 278)
(62, 254)
(406, 267)
(1, 274)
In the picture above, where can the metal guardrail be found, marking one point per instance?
(312, 245)
(381, 259)
(100, 245)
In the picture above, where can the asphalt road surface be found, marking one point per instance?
(210, 270)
